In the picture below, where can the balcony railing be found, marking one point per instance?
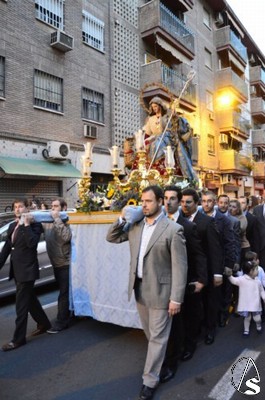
(158, 72)
(233, 161)
(257, 74)
(230, 120)
(176, 28)
(228, 78)
(258, 105)
(226, 37)
(176, 83)
(258, 137)
(155, 15)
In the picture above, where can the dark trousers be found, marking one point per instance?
(62, 278)
(175, 342)
(27, 302)
(261, 256)
(193, 316)
(213, 301)
(226, 298)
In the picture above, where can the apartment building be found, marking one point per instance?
(80, 71)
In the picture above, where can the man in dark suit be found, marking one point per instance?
(252, 227)
(230, 292)
(259, 213)
(21, 244)
(211, 245)
(158, 275)
(189, 320)
(225, 229)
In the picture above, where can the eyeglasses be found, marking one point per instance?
(186, 201)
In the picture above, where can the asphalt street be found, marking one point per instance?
(98, 361)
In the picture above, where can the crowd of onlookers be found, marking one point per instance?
(214, 257)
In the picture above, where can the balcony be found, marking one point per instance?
(257, 76)
(258, 137)
(226, 40)
(227, 79)
(158, 72)
(230, 121)
(257, 105)
(180, 5)
(259, 170)
(160, 25)
(233, 162)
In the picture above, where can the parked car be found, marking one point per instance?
(46, 272)
(6, 217)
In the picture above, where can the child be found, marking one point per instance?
(250, 293)
(252, 256)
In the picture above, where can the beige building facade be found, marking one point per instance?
(75, 71)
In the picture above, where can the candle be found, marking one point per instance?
(139, 140)
(83, 162)
(170, 162)
(88, 150)
(114, 151)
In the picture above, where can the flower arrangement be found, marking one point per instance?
(120, 196)
(92, 201)
(114, 198)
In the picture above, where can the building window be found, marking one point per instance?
(92, 105)
(93, 31)
(2, 76)
(208, 59)
(211, 145)
(51, 12)
(48, 91)
(206, 18)
(209, 101)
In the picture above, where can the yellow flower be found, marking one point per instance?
(131, 202)
(110, 193)
(126, 189)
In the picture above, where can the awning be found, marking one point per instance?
(167, 46)
(236, 63)
(22, 166)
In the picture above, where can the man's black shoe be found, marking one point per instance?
(222, 321)
(209, 338)
(166, 374)
(146, 393)
(187, 355)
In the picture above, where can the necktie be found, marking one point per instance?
(14, 234)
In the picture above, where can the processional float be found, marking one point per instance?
(144, 174)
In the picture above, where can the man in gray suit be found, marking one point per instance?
(158, 274)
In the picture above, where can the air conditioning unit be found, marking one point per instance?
(223, 139)
(57, 151)
(61, 41)
(211, 116)
(219, 19)
(90, 131)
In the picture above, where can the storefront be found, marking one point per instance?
(37, 180)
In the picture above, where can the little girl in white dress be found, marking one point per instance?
(251, 292)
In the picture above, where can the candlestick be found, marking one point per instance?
(83, 162)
